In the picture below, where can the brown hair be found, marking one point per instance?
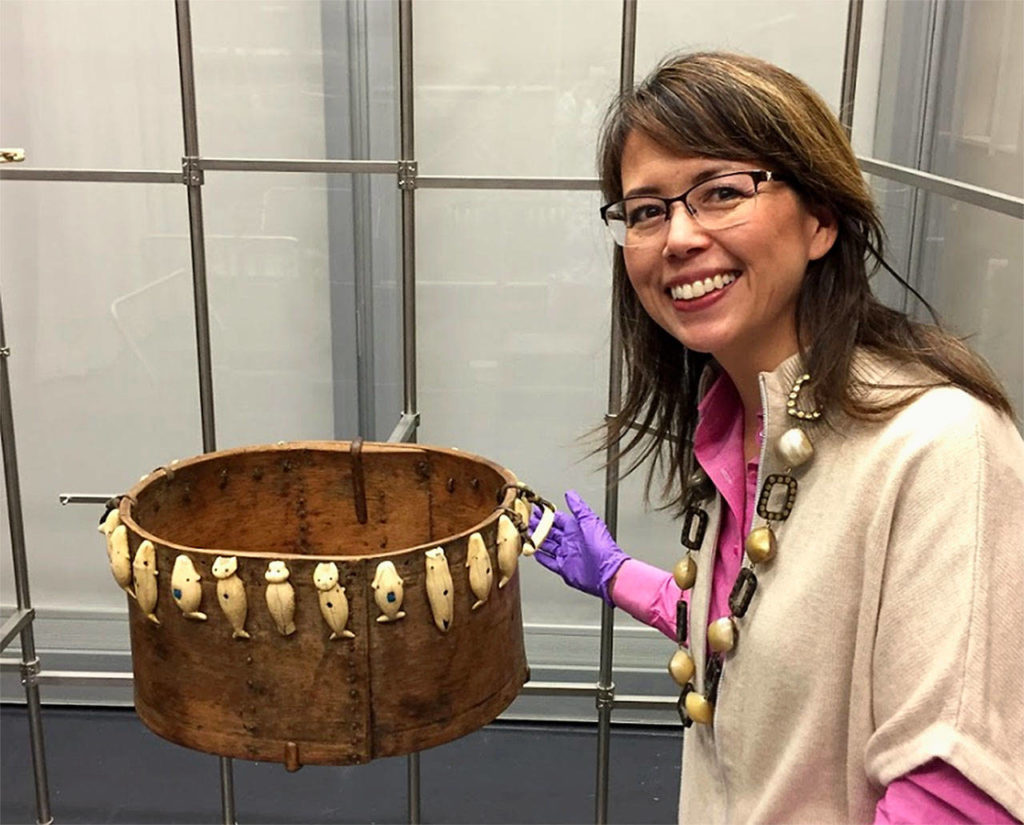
(735, 107)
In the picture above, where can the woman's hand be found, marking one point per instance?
(580, 549)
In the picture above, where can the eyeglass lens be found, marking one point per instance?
(719, 203)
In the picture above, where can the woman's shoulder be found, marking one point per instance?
(933, 412)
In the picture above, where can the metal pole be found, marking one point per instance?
(29, 662)
(605, 684)
(359, 130)
(851, 58)
(193, 179)
(407, 185)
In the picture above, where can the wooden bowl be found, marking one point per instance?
(251, 681)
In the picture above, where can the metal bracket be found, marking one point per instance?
(191, 171)
(30, 673)
(605, 697)
(5, 352)
(12, 155)
(407, 172)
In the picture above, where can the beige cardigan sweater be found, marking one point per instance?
(888, 630)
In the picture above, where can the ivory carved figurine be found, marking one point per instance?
(280, 597)
(231, 594)
(144, 577)
(439, 588)
(481, 574)
(509, 546)
(333, 601)
(186, 589)
(388, 592)
(119, 556)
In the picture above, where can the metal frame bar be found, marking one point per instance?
(990, 199)
(21, 622)
(851, 59)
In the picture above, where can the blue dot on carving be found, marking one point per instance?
(391, 597)
(177, 593)
(329, 604)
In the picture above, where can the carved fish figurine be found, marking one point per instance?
(120, 558)
(509, 546)
(186, 589)
(481, 574)
(280, 597)
(439, 588)
(388, 592)
(231, 594)
(333, 602)
(144, 576)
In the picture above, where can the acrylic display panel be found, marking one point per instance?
(512, 300)
(765, 30)
(90, 84)
(525, 96)
(282, 305)
(272, 79)
(98, 314)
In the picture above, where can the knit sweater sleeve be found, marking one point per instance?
(948, 664)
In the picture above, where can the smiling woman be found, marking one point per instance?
(848, 479)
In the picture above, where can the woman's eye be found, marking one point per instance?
(723, 194)
(645, 213)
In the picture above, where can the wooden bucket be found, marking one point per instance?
(252, 681)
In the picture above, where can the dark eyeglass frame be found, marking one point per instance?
(758, 176)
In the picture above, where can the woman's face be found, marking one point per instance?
(747, 318)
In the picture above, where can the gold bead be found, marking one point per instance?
(685, 572)
(681, 667)
(794, 447)
(760, 544)
(722, 634)
(699, 709)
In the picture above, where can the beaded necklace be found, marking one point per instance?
(774, 504)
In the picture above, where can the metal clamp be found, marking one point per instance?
(191, 171)
(30, 673)
(12, 155)
(407, 172)
(5, 352)
(605, 697)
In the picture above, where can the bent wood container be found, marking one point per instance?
(389, 688)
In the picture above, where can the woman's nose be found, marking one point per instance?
(683, 234)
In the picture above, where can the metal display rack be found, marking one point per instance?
(408, 179)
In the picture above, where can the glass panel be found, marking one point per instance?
(972, 272)
(97, 301)
(282, 305)
(273, 80)
(529, 102)
(754, 27)
(90, 84)
(950, 91)
(513, 307)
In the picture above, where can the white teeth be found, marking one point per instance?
(697, 289)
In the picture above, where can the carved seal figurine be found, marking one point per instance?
(439, 588)
(231, 594)
(186, 589)
(280, 597)
(388, 592)
(333, 602)
(144, 576)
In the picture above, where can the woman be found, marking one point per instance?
(850, 605)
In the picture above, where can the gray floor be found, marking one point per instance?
(105, 766)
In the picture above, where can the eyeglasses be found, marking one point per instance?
(720, 202)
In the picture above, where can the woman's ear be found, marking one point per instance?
(824, 227)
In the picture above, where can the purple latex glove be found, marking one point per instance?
(580, 549)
